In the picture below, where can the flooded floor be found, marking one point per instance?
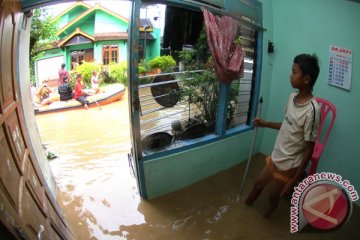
(99, 196)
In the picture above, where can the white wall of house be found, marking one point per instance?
(47, 69)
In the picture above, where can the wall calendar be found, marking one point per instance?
(340, 67)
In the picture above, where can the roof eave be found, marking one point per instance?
(76, 32)
(69, 9)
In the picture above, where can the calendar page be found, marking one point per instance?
(340, 67)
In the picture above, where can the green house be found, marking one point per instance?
(93, 33)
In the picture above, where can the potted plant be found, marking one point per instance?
(165, 63)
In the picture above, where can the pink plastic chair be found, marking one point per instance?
(325, 107)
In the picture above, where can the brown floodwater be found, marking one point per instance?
(95, 186)
(100, 200)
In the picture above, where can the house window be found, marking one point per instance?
(110, 54)
(78, 56)
(77, 40)
(186, 105)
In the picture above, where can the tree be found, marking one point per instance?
(42, 33)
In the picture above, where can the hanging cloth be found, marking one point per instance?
(228, 56)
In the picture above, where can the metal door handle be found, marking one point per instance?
(41, 229)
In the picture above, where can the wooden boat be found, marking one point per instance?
(107, 94)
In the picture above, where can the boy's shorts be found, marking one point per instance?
(282, 176)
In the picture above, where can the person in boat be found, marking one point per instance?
(79, 94)
(63, 73)
(43, 94)
(65, 90)
(95, 83)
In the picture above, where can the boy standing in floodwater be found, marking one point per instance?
(296, 139)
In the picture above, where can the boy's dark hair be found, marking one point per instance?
(63, 65)
(309, 65)
(78, 75)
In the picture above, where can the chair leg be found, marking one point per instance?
(314, 163)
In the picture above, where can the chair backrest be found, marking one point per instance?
(325, 108)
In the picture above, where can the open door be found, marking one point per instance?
(134, 104)
(28, 209)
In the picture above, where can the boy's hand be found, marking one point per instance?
(258, 122)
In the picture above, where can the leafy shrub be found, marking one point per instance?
(86, 69)
(117, 71)
(72, 81)
(187, 55)
(143, 67)
(165, 63)
(105, 76)
(202, 91)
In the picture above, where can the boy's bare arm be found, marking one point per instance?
(309, 148)
(258, 122)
